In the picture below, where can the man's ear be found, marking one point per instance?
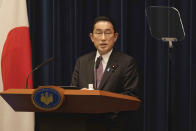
(116, 36)
(91, 36)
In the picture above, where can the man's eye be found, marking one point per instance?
(107, 32)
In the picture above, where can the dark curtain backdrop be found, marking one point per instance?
(60, 28)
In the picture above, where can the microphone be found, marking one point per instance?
(37, 67)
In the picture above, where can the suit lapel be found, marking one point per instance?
(108, 70)
(90, 68)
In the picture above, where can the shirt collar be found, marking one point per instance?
(105, 56)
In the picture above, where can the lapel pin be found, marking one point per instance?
(108, 69)
(114, 67)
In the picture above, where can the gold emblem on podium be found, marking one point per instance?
(48, 98)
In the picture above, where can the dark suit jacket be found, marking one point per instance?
(120, 74)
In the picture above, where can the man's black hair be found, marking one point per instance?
(102, 18)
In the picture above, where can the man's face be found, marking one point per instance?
(103, 36)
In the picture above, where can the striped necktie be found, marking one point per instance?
(98, 72)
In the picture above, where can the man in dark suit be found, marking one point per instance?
(119, 70)
(106, 68)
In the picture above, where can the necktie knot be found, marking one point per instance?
(100, 57)
(98, 61)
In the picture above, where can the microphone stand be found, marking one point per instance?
(28, 79)
(37, 67)
(29, 76)
(169, 79)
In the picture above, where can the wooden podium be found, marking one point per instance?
(75, 102)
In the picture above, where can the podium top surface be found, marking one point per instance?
(76, 101)
(74, 92)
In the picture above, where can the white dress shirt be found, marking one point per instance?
(105, 58)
